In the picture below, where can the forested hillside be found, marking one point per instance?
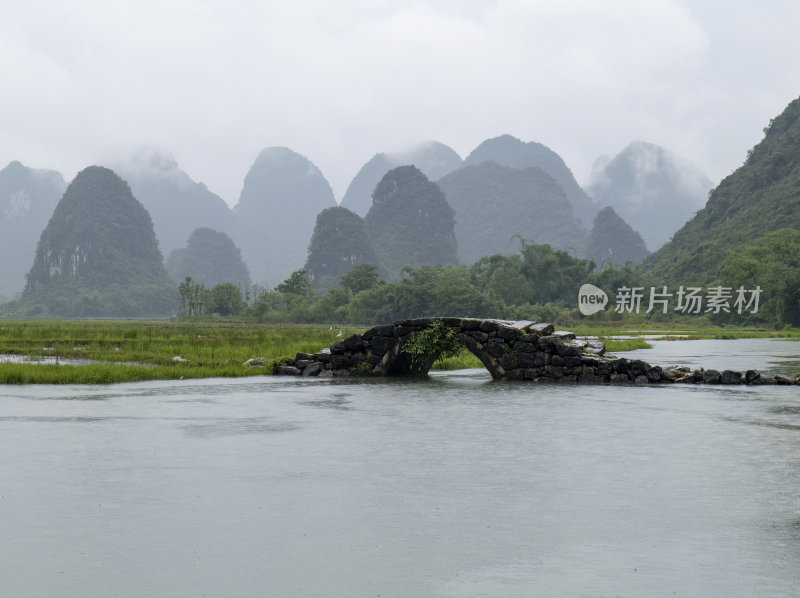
(510, 151)
(339, 243)
(410, 222)
(494, 205)
(209, 258)
(98, 255)
(614, 240)
(762, 195)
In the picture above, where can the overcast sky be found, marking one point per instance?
(213, 82)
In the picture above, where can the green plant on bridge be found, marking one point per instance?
(437, 341)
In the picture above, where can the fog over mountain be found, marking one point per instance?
(434, 159)
(494, 204)
(177, 204)
(273, 222)
(27, 200)
(510, 151)
(654, 190)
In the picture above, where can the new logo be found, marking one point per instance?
(591, 299)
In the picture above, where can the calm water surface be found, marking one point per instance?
(454, 486)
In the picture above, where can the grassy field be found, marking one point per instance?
(126, 351)
(133, 350)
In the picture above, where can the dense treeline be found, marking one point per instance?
(538, 283)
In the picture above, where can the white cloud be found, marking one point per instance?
(215, 82)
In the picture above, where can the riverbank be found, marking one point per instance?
(128, 351)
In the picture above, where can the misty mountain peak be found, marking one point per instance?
(507, 150)
(27, 200)
(644, 179)
(282, 194)
(432, 158)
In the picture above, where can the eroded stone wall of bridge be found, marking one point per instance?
(510, 350)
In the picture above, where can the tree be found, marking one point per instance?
(360, 278)
(338, 244)
(297, 292)
(773, 264)
(194, 298)
(226, 299)
(297, 285)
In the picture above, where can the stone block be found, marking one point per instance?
(381, 344)
(604, 369)
(313, 370)
(639, 367)
(654, 374)
(524, 346)
(621, 366)
(508, 362)
(489, 325)
(526, 360)
(495, 349)
(541, 329)
(540, 358)
(387, 330)
(553, 371)
(341, 362)
(731, 377)
(479, 336)
(507, 333)
(354, 344)
(287, 370)
(470, 324)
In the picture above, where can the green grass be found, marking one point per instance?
(465, 360)
(628, 344)
(126, 351)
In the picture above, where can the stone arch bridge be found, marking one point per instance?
(510, 350)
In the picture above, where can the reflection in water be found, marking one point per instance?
(453, 486)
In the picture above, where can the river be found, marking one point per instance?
(455, 486)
